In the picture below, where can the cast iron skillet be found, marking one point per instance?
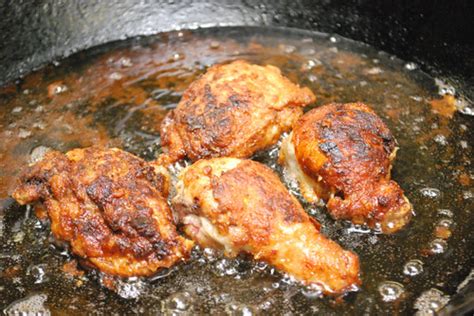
(438, 35)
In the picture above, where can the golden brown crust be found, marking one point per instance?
(252, 211)
(251, 186)
(232, 110)
(348, 150)
(109, 205)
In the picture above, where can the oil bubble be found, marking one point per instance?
(413, 267)
(411, 66)
(287, 280)
(445, 222)
(440, 139)
(444, 88)
(445, 212)
(56, 88)
(374, 71)
(210, 254)
(225, 267)
(239, 309)
(125, 62)
(312, 78)
(467, 195)
(38, 272)
(115, 76)
(177, 56)
(176, 303)
(260, 266)
(130, 289)
(467, 110)
(438, 246)
(430, 302)
(391, 291)
(312, 291)
(430, 192)
(265, 305)
(312, 63)
(464, 106)
(273, 152)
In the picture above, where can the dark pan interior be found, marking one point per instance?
(437, 35)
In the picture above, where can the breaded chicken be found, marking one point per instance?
(342, 153)
(109, 206)
(232, 110)
(242, 206)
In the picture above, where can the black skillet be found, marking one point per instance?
(438, 35)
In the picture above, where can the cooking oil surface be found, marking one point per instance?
(117, 95)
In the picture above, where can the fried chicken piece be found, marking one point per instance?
(109, 206)
(240, 205)
(342, 153)
(232, 110)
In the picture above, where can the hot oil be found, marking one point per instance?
(117, 95)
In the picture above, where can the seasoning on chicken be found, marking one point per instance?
(109, 206)
(232, 110)
(342, 153)
(242, 206)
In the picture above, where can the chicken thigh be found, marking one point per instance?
(242, 206)
(342, 153)
(109, 206)
(232, 110)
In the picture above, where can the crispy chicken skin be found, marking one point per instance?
(240, 205)
(342, 153)
(232, 110)
(109, 206)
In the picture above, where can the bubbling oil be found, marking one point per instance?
(117, 95)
